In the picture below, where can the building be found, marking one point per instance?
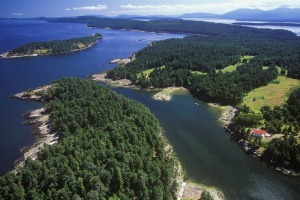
(260, 133)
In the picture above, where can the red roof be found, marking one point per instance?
(259, 132)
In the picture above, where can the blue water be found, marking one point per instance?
(199, 142)
(20, 74)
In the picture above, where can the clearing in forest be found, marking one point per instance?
(273, 94)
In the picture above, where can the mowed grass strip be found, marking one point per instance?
(272, 94)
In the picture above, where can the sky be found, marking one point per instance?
(61, 8)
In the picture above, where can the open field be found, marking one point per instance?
(272, 94)
(148, 72)
(229, 68)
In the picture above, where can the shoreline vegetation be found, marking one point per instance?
(162, 94)
(41, 128)
(186, 189)
(45, 136)
(54, 47)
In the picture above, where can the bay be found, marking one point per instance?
(199, 142)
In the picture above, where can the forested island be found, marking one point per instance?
(110, 147)
(53, 47)
(223, 64)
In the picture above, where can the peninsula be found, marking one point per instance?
(98, 143)
(53, 47)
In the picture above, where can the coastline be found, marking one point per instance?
(163, 94)
(166, 93)
(101, 77)
(5, 54)
(41, 122)
(187, 189)
(41, 126)
(43, 136)
(227, 113)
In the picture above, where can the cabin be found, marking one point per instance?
(260, 133)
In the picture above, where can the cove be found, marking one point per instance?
(208, 155)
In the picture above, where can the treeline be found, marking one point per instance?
(230, 88)
(207, 53)
(55, 46)
(272, 46)
(110, 148)
(173, 26)
(286, 119)
(183, 57)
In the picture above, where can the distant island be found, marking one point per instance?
(53, 47)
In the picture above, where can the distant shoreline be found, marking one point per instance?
(5, 55)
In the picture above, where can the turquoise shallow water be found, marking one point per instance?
(207, 155)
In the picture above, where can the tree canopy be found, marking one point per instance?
(110, 147)
(55, 46)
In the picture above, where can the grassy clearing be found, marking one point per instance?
(230, 68)
(246, 57)
(198, 73)
(272, 94)
(42, 51)
(148, 72)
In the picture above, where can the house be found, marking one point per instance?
(260, 133)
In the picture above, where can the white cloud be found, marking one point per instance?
(210, 7)
(17, 14)
(97, 7)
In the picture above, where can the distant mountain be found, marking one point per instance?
(150, 17)
(243, 14)
(277, 15)
(199, 15)
(99, 16)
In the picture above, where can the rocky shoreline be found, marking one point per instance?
(187, 189)
(163, 94)
(41, 126)
(43, 136)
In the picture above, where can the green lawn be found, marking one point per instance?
(230, 68)
(198, 73)
(272, 94)
(246, 57)
(148, 72)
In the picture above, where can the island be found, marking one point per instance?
(53, 47)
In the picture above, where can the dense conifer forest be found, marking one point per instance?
(196, 62)
(110, 147)
(55, 46)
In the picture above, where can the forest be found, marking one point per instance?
(196, 62)
(55, 46)
(110, 147)
(209, 55)
(171, 26)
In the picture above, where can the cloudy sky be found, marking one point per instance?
(59, 8)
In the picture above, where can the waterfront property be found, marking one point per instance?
(260, 133)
